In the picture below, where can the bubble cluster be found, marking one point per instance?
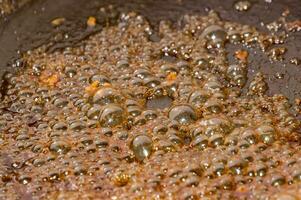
(138, 113)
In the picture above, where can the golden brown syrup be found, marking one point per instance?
(136, 114)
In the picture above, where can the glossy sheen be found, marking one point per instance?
(142, 147)
(70, 133)
(184, 114)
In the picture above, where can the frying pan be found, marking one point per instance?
(29, 27)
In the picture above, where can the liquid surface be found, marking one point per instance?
(18, 35)
(138, 113)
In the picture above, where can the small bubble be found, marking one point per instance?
(142, 147)
(60, 147)
(24, 179)
(277, 180)
(112, 115)
(242, 5)
(106, 96)
(121, 179)
(184, 114)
